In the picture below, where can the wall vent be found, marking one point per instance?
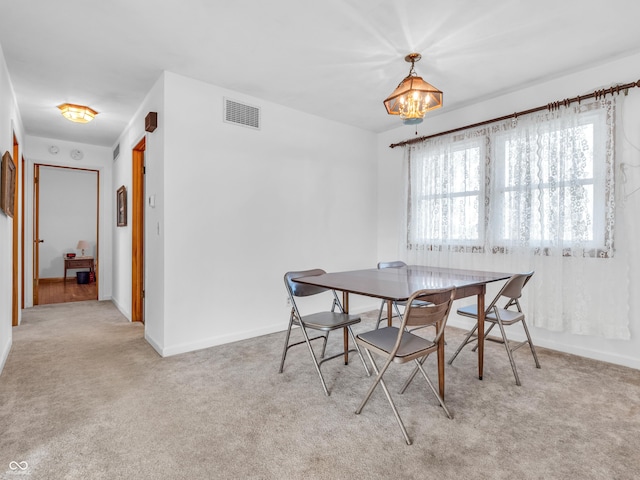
(241, 114)
(116, 152)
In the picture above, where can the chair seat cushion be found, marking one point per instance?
(329, 320)
(385, 338)
(507, 316)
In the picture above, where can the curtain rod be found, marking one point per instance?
(550, 106)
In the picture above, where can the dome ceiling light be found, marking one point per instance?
(77, 113)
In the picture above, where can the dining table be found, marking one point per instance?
(398, 284)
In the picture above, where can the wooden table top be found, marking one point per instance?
(399, 283)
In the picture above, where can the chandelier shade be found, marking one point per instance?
(77, 113)
(413, 97)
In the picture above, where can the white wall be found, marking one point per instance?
(390, 185)
(68, 213)
(36, 150)
(241, 207)
(10, 123)
(154, 216)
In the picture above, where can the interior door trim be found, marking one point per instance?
(16, 237)
(137, 232)
(36, 225)
(36, 233)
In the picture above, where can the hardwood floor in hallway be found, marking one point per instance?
(59, 291)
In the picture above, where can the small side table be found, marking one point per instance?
(77, 262)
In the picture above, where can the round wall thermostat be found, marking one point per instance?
(76, 154)
(53, 149)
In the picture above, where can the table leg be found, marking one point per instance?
(389, 312)
(441, 364)
(345, 332)
(481, 332)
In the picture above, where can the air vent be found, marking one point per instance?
(116, 152)
(241, 114)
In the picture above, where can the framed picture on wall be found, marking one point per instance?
(8, 184)
(121, 206)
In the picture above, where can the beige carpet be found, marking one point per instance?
(83, 396)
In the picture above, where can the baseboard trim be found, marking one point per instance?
(621, 360)
(233, 337)
(608, 357)
(201, 344)
(6, 348)
(122, 310)
(186, 347)
(52, 280)
(215, 341)
(153, 343)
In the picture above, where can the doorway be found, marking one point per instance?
(137, 232)
(66, 232)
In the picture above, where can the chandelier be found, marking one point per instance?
(413, 97)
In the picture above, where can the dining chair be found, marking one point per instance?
(325, 321)
(398, 345)
(381, 265)
(396, 304)
(511, 291)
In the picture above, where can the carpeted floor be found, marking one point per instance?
(83, 396)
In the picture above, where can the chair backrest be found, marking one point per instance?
(301, 289)
(396, 264)
(434, 313)
(512, 290)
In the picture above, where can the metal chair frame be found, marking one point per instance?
(321, 321)
(396, 304)
(398, 345)
(512, 290)
(381, 265)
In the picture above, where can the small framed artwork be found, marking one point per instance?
(7, 185)
(121, 206)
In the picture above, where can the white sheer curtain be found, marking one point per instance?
(532, 193)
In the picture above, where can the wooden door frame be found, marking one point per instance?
(137, 232)
(22, 222)
(36, 226)
(16, 221)
(36, 233)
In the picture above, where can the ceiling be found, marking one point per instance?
(337, 59)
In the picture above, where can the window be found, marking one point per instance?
(449, 190)
(542, 183)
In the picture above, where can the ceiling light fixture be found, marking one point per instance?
(77, 113)
(413, 97)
